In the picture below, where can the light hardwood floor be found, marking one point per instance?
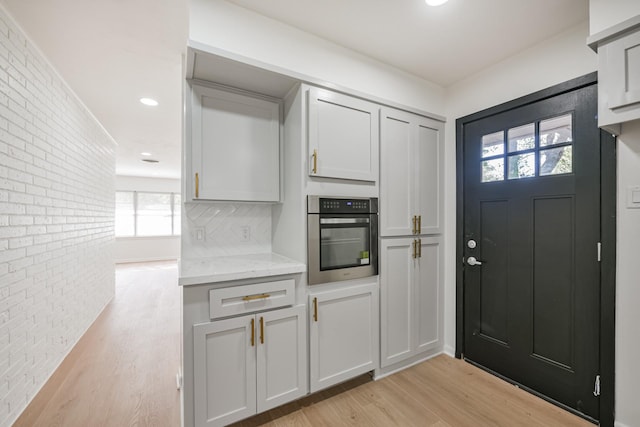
(442, 392)
(123, 370)
(122, 373)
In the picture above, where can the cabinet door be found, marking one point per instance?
(410, 173)
(235, 146)
(396, 300)
(225, 365)
(619, 69)
(343, 136)
(428, 298)
(429, 149)
(281, 357)
(397, 173)
(343, 334)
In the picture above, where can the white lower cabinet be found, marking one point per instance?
(410, 297)
(343, 334)
(248, 364)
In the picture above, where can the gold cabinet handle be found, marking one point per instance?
(419, 248)
(261, 330)
(315, 309)
(197, 186)
(253, 332)
(415, 254)
(315, 161)
(415, 219)
(419, 229)
(255, 297)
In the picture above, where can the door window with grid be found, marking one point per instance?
(535, 149)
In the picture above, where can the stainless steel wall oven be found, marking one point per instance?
(342, 238)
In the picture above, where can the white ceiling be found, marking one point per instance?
(441, 44)
(113, 52)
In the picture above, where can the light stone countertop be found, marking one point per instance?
(196, 271)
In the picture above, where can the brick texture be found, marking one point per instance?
(57, 168)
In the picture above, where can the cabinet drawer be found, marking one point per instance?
(237, 300)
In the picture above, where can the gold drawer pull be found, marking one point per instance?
(197, 186)
(255, 297)
(315, 309)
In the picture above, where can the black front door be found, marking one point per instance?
(531, 230)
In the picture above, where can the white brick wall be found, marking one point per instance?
(57, 167)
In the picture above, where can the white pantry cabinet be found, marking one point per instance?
(248, 364)
(343, 136)
(234, 141)
(343, 334)
(411, 181)
(410, 297)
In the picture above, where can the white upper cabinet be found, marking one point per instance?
(411, 181)
(343, 136)
(235, 145)
(618, 73)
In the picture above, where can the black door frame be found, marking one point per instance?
(608, 237)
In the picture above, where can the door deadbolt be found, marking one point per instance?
(472, 244)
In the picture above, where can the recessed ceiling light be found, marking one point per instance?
(145, 154)
(148, 101)
(436, 2)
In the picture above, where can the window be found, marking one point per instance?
(535, 149)
(147, 214)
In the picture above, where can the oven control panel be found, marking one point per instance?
(344, 206)
(341, 205)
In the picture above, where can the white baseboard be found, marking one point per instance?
(449, 351)
(401, 366)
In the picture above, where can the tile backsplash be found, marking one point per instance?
(225, 229)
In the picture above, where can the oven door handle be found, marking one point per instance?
(344, 221)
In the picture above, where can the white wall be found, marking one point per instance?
(56, 219)
(243, 32)
(145, 249)
(142, 183)
(606, 13)
(140, 249)
(627, 282)
(553, 61)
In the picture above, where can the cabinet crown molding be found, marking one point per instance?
(605, 36)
